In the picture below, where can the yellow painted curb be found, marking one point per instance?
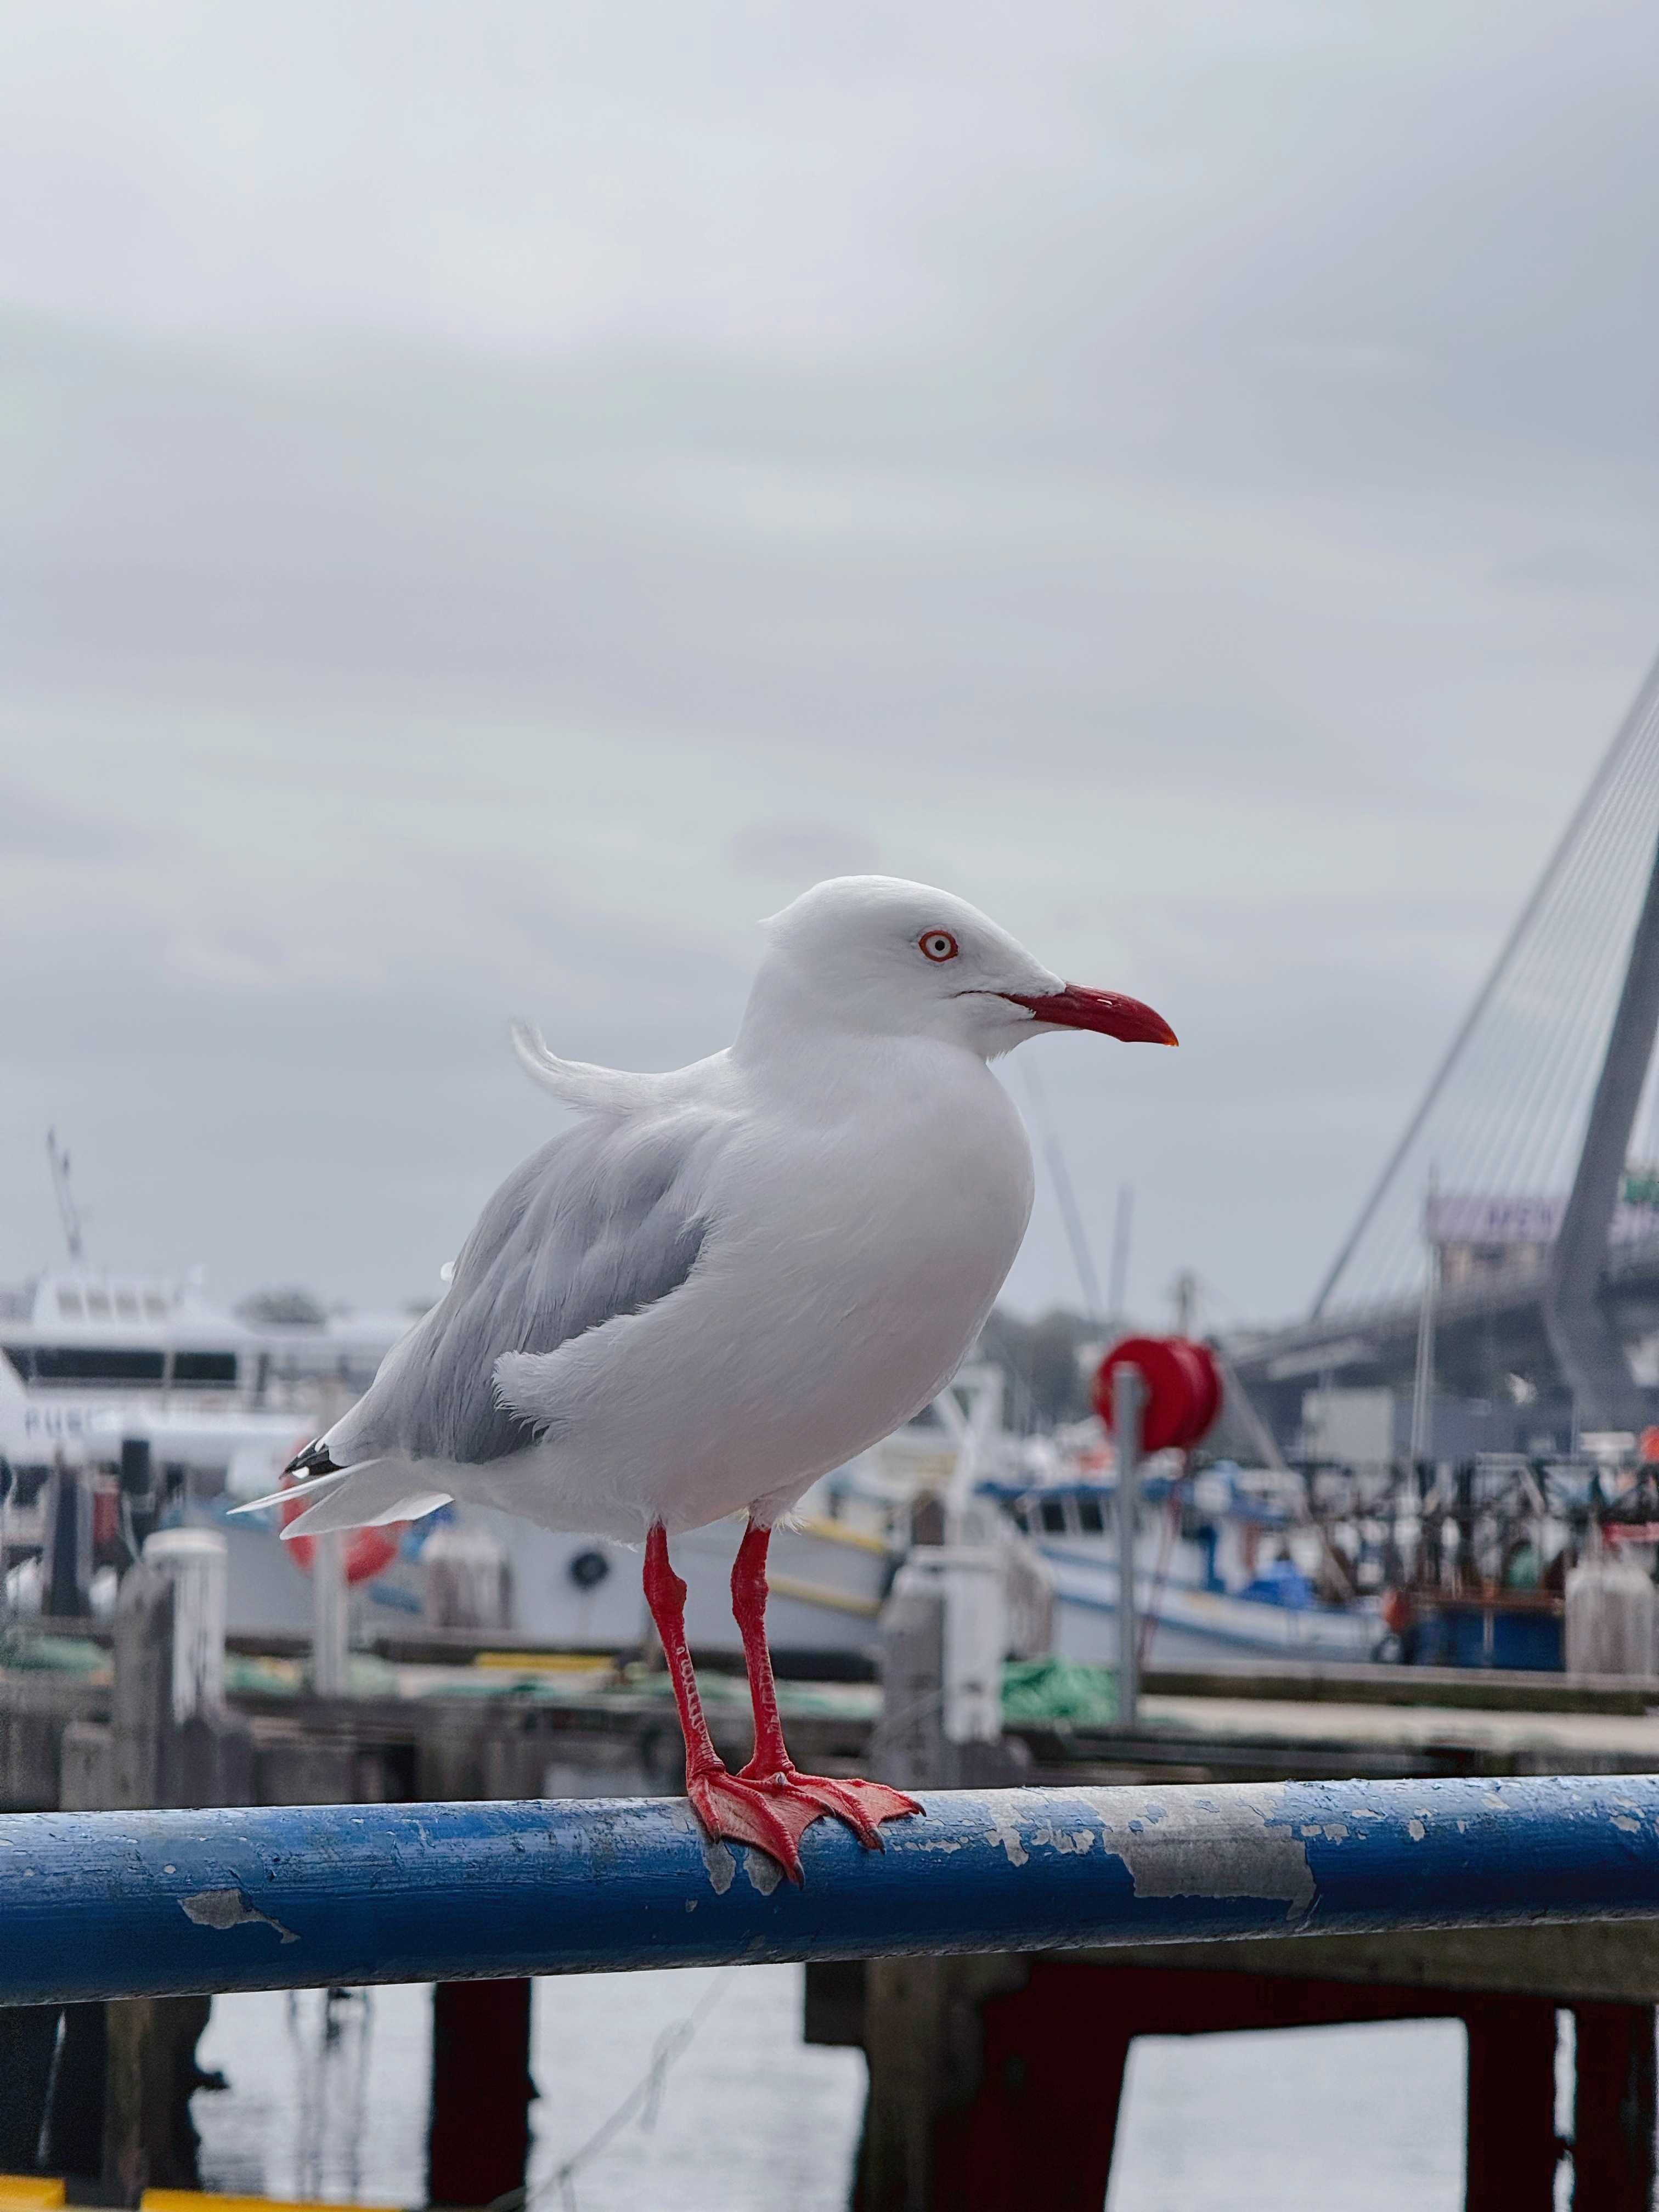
(29, 2192)
(201, 2200)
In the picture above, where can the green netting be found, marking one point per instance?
(52, 1655)
(1059, 1690)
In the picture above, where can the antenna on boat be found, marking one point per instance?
(1117, 1297)
(67, 1212)
(1076, 1235)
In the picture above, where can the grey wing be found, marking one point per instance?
(601, 1223)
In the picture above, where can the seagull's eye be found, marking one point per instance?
(938, 945)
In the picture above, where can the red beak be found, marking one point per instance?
(1078, 1007)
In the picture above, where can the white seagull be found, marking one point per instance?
(722, 1282)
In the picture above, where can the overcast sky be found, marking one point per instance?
(494, 499)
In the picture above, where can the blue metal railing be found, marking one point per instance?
(108, 1904)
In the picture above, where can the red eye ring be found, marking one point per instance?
(938, 944)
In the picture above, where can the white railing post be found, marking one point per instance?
(328, 1617)
(195, 1562)
(1128, 1404)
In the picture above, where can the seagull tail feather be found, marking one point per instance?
(576, 1082)
(316, 1485)
(371, 1494)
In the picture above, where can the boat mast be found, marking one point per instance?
(1422, 1379)
(67, 1212)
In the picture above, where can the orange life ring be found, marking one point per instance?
(367, 1551)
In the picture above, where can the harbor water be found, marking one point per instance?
(327, 2100)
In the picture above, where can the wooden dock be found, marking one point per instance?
(452, 1716)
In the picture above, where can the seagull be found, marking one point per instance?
(720, 1283)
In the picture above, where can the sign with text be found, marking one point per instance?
(1476, 1217)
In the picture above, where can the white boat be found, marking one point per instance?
(581, 1593)
(95, 1370)
(1225, 1570)
(92, 1366)
(103, 1376)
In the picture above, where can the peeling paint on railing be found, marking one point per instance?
(98, 1904)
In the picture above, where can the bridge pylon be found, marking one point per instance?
(1543, 1228)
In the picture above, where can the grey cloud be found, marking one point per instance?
(1255, 407)
(33, 827)
(801, 852)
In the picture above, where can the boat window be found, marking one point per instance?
(1053, 1511)
(209, 1367)
(1089, 1518)
(126, 1305)
(83, 1363)
(155, 1306)
(69, 1305)
(98, 1304)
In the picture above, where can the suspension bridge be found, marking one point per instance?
(1512, 1237)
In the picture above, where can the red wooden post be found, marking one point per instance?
(995, 2100)
(1512, 2150)
(1042, 2128)
(1612, 2151)
(481, 2091)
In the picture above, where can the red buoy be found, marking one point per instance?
(1184, 1388)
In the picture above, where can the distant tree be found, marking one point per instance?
(1046, 1383)
(287, 1308)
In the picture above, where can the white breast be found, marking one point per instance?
(858, 1242)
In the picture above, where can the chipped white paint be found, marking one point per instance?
(1623, 1821)
(228, 1908)
(718, 1862)
(1005, 1835)
(1186, 1847)
(764, 1874)
(1064, 1840)
(1416, 1831)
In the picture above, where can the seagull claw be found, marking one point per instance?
(861, 1805)
(774, 1811)
(740, 1812)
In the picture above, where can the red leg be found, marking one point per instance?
(862, 1805)
(725, 1805)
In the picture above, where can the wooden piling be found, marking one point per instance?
(995, 2081)
(1511, 2152)
(478, 2140)
(28, 2044)
(1614, 2108)
(171, 1744)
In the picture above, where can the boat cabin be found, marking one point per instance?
(85, 1333)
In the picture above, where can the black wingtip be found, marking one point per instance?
(314, 1460)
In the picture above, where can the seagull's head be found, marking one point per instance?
(877, 955)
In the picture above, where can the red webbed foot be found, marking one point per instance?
(862, 1805)
(771, 1803)
(774, 1811)
(738, 1812)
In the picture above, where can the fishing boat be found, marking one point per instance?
(1228, 1566)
